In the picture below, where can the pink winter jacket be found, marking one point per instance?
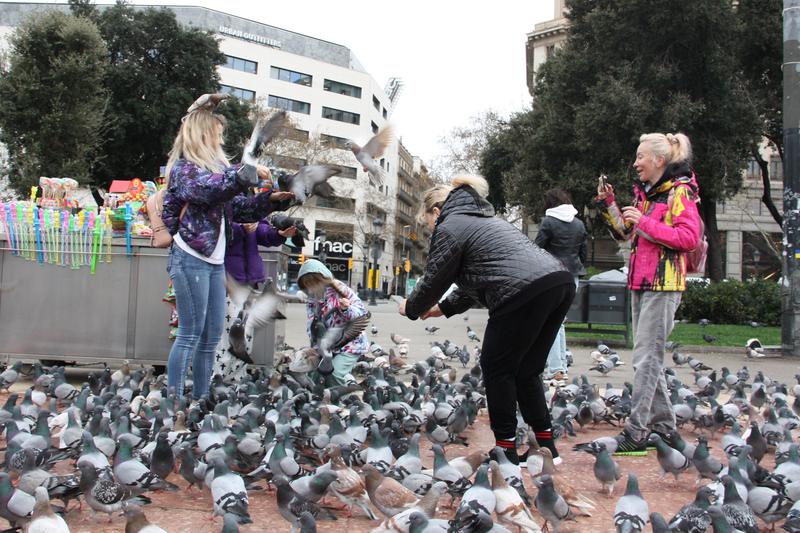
(669, 227)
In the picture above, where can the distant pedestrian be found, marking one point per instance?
(563, 235)
(526, 290)
(663, 224)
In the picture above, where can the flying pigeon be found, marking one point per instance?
(371, 151)
(261, 136)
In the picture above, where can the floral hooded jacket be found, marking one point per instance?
(208, 196)
(669, 227)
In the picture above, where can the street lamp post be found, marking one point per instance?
(377, 224)
(404, 274)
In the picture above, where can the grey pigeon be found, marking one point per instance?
(307, 523)
(107, 495)
(308, 181)
(261, 136)
(792, 524)
(739, 515)
(707, 466)
(658, 523)
(131, 472)
(693, 517)
(15, 506)
(551, 505)
(136, 521)
(757, 442)
(671, 460)
(478, 498)
(632, 512)
(606, 471)
(9, 376)
(768, 504)
(229, 493)
(162, 461)
(374, 149)
(419, 523)
(291, 505)
(314, 486)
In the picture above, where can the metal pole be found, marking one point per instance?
(790, 331)
(374, 279)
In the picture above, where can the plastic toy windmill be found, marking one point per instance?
(94, 227)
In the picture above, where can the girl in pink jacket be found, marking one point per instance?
(663, 224)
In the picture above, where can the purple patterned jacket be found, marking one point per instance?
(208, 196)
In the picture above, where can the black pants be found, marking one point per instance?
(514, 354)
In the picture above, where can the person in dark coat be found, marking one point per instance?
(526, 290)
(562, 234)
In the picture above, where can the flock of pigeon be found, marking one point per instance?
(321, 453)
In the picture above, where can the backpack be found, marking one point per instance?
(695, 259)
(161, 237)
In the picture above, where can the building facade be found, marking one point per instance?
(330, 99)
(750, 236)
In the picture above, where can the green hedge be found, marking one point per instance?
(732, 302)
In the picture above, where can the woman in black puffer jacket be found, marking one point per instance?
(526, 290)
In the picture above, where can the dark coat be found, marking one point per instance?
(566, 241)
(242, 260)
(490, 260)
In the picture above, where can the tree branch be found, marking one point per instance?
(766, 196)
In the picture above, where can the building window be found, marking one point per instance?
(335, 202)
(238, 92)
(347, 172)
(342, 88)
(385, 114)
(753, 170)
(376, 103)
(237, 63)
(287, 162)
(341, 116)
(289, 105)
(277, 73)
(333, 141)
(296, 134)
(374, 127)
(551, 49)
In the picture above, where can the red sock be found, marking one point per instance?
(506, 444)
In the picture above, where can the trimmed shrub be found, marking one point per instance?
(732, 302)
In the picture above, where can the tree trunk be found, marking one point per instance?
(715, 264)
(766, 197)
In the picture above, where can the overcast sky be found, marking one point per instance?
(457, 59)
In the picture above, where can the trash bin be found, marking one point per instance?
(577, 311)
(607, 303)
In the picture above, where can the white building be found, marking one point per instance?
(328, 94)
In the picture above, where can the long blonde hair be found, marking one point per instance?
(436, 195)
(673, 147)
(195, 139)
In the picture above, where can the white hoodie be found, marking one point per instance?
(563, 212)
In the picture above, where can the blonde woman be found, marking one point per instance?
(663, 224)
(526, 290)
(205, 194)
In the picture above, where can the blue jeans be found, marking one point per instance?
(200, 300)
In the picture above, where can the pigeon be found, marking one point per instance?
(792, 524)
(387, 494)
(291, 505)
(478, 498)
(704, 322)
(107, 495)
(398, 340)
(136, 521)
(44, 520)
(709, 338)
(509, 506)
(472, 335)
(757, 442)
(697, 365)
(444, 471)
(15, 506)
(768, 504)
(374, 149)
(262, 134)
(693, 517)
(374, 329)
(739, 515)
(281, 222)
(671, 460)
(551, 505)
(707, 466)
(308, 181)
(606, 471)
(419, 523)
(308, 524)
(314, 486)
(348, 486)
(328, 340)
(632, 512)
(431, 329)
(131, 472)
(511, 473)
(658, 523)
(9, 376)
(208, 102)
(162, 460)
(257, 309)
(229, 493)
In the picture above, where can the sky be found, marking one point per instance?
(457, 59)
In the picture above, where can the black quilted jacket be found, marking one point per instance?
(490, 260)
